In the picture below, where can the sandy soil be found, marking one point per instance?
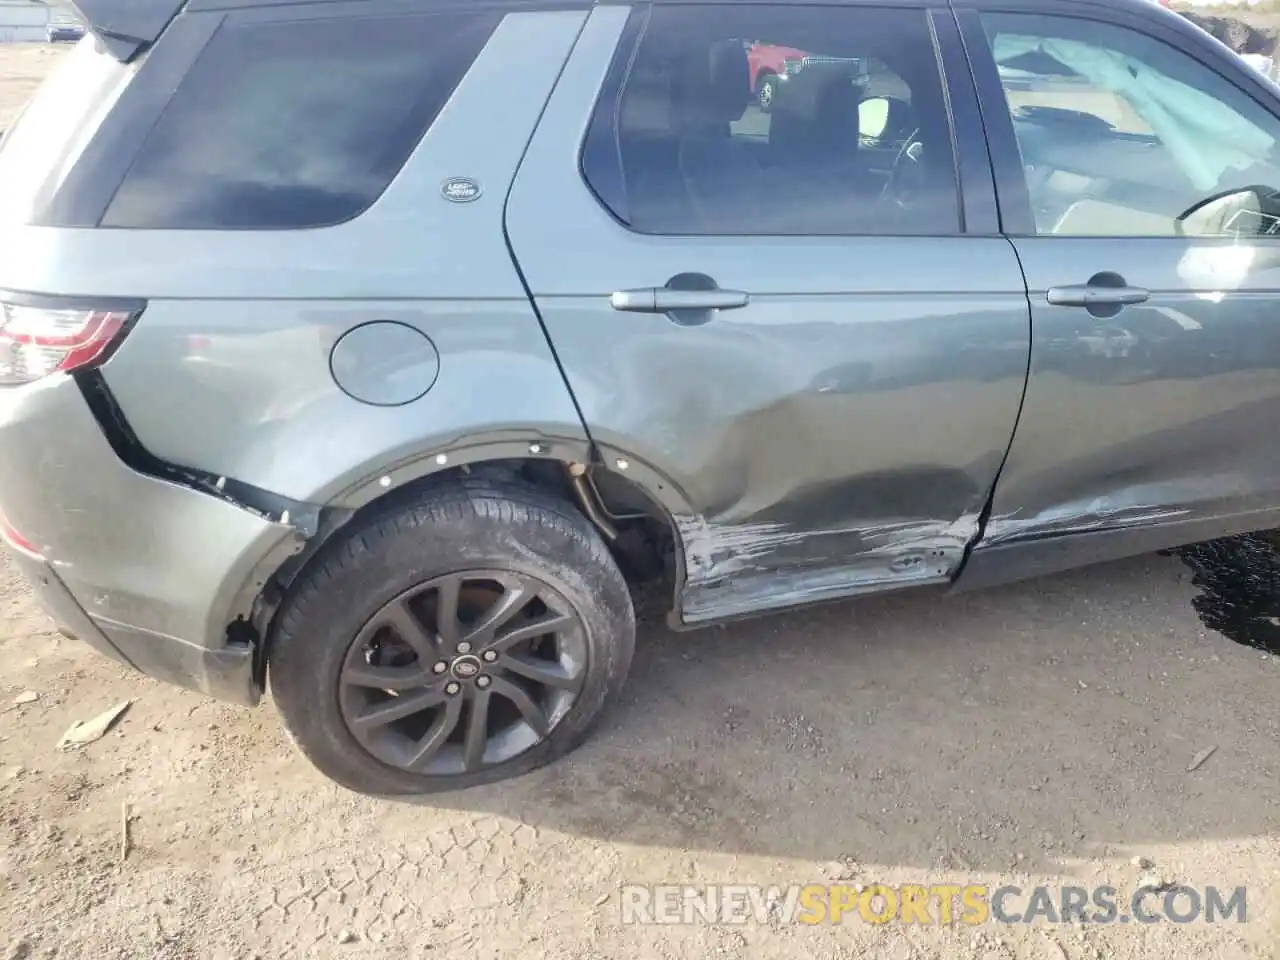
(22, 67)
(1035, 734)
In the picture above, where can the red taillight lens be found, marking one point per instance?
(38, 341)
(16, 540)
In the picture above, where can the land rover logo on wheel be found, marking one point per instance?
(464, 668)
(460, 189)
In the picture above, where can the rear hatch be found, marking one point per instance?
(51, 133)
(42, 147)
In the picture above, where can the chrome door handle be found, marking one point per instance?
(664, 300)
(1091, 295)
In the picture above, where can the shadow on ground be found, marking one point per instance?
(1050, 719)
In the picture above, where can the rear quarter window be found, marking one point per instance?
(296, 124)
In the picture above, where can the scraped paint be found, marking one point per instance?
(740, 568)
(1098, 514)
(715, 551)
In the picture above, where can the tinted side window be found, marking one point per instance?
(776, 120)
(296, 124)
(1124, 135)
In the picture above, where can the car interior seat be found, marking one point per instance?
(721, 176)
(814, 143)
(900, 122)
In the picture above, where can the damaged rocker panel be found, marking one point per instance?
(734, 570)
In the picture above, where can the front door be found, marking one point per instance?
(1138, 174)
(813, 355)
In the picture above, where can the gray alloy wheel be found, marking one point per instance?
(460, 635)
(462, 672)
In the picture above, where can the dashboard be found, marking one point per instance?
(1071, 156)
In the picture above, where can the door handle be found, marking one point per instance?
(665, 299)
(1094, 295)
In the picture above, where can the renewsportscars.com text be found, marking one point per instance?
(937, 904)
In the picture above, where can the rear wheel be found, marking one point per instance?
(470, 635)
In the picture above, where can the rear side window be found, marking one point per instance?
(777, 119)
(296, 124)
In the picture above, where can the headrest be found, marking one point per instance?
(899, 121)
(837, 110)
(715, 84)
(818, 114)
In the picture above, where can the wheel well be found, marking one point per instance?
(639, 531)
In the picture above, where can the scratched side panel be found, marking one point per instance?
(132, 549)
(813, 446)
(839, 434)
(250, 392)
(1149, 429)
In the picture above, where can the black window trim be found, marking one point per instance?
(289, 11)
(906, 4)
(610, 94)
(975, 185)
(975, 189)
(514, 6)
(1017, 218)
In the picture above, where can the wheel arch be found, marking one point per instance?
(526, 555)
(623, 491)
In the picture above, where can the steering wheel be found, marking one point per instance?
(906, 172)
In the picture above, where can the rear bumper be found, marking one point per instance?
(57, 601)
(147, 571)
(225, 673)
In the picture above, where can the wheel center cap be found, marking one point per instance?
(464, 668)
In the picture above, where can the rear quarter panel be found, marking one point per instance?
(228, 370)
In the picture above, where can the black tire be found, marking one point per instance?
(767, 91)
(473, 525)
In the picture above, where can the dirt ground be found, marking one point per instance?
(1040, 733)
(22, 67)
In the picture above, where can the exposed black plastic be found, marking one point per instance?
(126, 27)
(303, 517)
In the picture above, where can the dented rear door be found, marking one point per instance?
(823, 399)
(1153, 388)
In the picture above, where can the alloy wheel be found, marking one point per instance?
(463, 672)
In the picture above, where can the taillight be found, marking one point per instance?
(16, 540)
(36, 341)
